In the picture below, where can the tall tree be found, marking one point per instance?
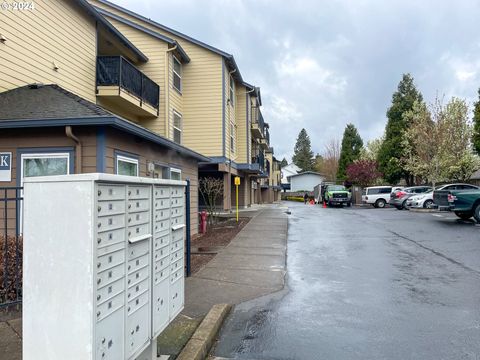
(437, 142)
(331, 155)
(283, 163)
(303, 154)
(352, 145)
(371, 150)
(391, 154)
(318, 163)
(476, 126)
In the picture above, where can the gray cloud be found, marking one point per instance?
(323, 64)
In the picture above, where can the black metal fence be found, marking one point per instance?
(116, 71)
(11, 246)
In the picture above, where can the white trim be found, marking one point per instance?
(178, 128)
(232, 137)
(177, 171)
(127, 160)
(175, 73)
(231, 93)
(45, 155)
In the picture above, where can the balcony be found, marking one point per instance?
(265, 141)
(123, 86)
(258, 124)
(259, 162)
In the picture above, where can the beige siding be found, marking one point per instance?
(31, 47)
(201, 92)
(230, 118)
(155, 50)
(175, 99)
(241, 117)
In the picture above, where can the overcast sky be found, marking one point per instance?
(323, 64)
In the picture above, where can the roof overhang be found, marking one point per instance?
(179, 50)
(110, 121)
(92, 11)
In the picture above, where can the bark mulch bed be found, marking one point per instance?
(205, 246)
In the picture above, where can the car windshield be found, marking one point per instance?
(336, 188)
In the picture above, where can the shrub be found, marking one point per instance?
(295, 198)
(9, 292)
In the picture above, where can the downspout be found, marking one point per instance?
(230, 111)
(167, 90)
(78, 149)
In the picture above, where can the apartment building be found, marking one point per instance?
(208, 107)
(74, 99)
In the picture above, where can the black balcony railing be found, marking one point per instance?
(267, 135)
(259, 159)
(116, 71)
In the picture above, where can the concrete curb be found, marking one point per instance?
(424, 210)
(202, 340)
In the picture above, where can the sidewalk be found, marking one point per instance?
(252, 265)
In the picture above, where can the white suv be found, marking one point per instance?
(378, 196)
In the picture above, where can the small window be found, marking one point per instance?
(232, 91)
(127, 166)
(232, 137)
(175, 174)
(177, 74)
(45, 164)
(177, 127)
(161, 171)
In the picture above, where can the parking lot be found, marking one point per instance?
(367, 283)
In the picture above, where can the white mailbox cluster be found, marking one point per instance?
(103, 265)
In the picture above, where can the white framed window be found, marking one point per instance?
(232, 137)
(126, 165)
(177, 127)
(161, 171)
(175, 174)
(232, 91)
(177, 74)
(45, 164)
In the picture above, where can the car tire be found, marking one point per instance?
(398, 207)
(380, 203)
(349, 204)
(464, 215)
(428, 204)
(404, 205)
(476, 213)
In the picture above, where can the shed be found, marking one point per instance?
(305, 181)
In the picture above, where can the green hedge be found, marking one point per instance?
(295, 198)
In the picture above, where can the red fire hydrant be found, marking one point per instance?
(203, 222)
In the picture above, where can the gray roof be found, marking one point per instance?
(38, 101)
(306, 173)
(35, 106)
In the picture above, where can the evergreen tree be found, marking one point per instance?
(476, 126)
(283, 163)
(303, 154)
(352, 145)
(391, 154)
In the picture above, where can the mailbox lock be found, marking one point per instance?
(103, 340)
(99, 208)
(137, 328)
(129, 206)
(98, 313)
(99, 281)
(99, 297)
(99, 240)
(98, 265)
(129, 192)
(99, 192)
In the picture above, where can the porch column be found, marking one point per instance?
(227, 186)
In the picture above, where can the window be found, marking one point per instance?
(161, 171)
(232, 137)
(126, 165)
(45, 164)
(175, 174)
(232, 91)
(177, 127)
(177, 74)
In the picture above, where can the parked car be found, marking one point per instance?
(337, 195)
(421, 201)
(399, 198)
(426, 201)
(378, 196)
(462, 199)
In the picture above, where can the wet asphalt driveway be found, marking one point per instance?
(367, 284)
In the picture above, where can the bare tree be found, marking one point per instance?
(211, 190)
(331, 156)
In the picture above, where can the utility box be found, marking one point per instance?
(103, 265)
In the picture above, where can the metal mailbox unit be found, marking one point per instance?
(103, 265)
